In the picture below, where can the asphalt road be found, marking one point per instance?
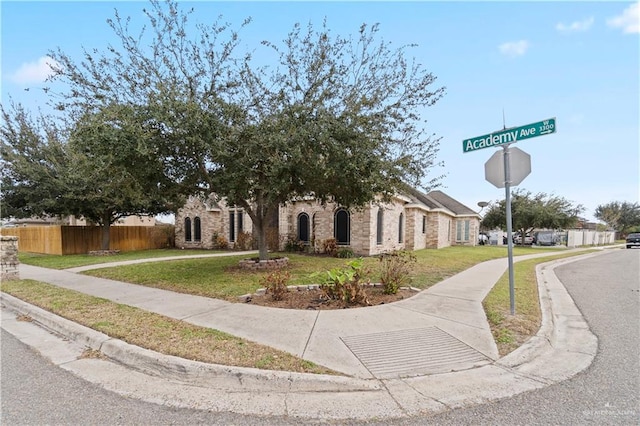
(605, 288)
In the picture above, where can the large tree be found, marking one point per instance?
(622, 216)
(335, 117)
(530, 211)
(95, 168)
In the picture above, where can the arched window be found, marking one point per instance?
(342, 227)
(303, 227)
(187, 229)
(197, 232)
(379, 225)
(401, 229)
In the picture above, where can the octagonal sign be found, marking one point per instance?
(519, 167)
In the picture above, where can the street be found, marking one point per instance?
(605, 288)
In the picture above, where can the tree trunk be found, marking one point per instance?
(106, 230)
(262, 241)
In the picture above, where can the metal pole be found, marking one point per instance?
(507, 193)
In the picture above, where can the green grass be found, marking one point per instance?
(156, 332)
(221, 278)
(53, 261)
(511, 331)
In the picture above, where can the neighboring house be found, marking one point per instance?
(411, 222)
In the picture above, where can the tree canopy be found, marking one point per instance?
(339, 118)
(94, 169)
(530, 211)
(622, 216)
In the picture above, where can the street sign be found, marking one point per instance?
(519, 167)
(514, 134)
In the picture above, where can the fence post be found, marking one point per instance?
(9, 262)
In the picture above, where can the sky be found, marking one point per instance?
(502, 63)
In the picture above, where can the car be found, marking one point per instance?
(528, 239)
(633, 240)
(483, 239)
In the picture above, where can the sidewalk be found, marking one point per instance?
(428, 353)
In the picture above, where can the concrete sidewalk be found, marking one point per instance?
(431, 352)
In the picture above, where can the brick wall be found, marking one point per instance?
(9, 258)
(212, 222)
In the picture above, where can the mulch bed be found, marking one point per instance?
(314, 300)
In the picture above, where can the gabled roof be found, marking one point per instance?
(439, 200)
(454, 205)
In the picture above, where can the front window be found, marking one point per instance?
(197, 232)
(379, 227)
(342, 227)
(187, 229)
(303, 227)
(462, 230)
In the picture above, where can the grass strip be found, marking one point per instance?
(156, 332)
(511, 331)
(53, 261)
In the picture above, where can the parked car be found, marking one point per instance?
(546, 238)
(633, 240)
(483, 239)
(528, 239)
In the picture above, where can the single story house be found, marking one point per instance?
(410, 221)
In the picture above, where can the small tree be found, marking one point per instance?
(529, 211)
(622, 216)
(94, 169)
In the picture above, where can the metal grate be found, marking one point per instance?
(416, 352)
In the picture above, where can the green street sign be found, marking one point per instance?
(514, 134)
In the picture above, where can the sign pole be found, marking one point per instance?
(507, 193)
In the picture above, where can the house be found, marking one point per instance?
(410, 221)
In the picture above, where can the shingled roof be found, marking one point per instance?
(440, 200)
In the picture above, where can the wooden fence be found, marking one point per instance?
(58, 239)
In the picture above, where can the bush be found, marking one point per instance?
(345, 253)
(345, 284)
(219, 242)
(244, 241)
(330, 246)
(395, 270)
(294, 245)
(276, 284)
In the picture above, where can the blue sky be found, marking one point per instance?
(575, 61)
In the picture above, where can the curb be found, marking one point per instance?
(187, 371)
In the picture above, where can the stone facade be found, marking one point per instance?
(407, 222)
(9, 258)
(215, 223)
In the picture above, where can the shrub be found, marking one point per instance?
(395, 270)
(244, 241)
(292, 244)
(345, 284)
(276, 284)
(330, 246)
(345, 253)
(219, 241)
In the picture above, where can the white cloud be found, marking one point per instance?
(34, 72)
(577, 26)
(514, 48)
(629, 21)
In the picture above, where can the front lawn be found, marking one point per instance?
(53, 261)
(221, 278)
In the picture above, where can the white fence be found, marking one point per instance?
(585, 237)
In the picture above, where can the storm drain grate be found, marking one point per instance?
(415, 352)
